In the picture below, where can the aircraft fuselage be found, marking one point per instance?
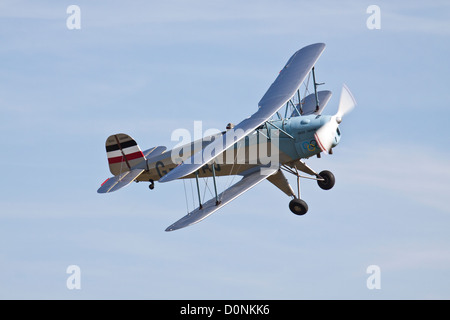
(280, 141)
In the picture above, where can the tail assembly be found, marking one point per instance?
(120, 181)
(123, 155)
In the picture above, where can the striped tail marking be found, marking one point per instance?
(123, 153)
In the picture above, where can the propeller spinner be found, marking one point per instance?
(325, 135)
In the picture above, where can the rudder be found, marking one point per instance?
(123, 153)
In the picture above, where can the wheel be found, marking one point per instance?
(328, 180)
(151, 185)
(298, 207)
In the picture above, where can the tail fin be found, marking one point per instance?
(123, 153)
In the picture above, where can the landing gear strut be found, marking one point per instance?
(152, 184)
(325, 180)
(297, 205)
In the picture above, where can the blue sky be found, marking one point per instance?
(147, 68)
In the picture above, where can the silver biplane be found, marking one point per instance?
(301, 133)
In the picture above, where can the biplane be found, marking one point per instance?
(261, 147)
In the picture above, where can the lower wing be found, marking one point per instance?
(246, 183)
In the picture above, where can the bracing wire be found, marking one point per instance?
(231, 177)
(192, 191)
(206, 187)
(306, 84)
(185, 196)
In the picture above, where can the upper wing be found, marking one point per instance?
(209, 207)
(281, 90)
(309, 103)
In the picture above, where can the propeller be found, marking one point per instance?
(326, 134)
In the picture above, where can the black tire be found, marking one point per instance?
(298, 207)
(151, 186)
(328, 181)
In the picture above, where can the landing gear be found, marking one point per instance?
(298, 206)
(152, 184)
(327, 180)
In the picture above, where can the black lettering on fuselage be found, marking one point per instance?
(207, 167)
(160, 164)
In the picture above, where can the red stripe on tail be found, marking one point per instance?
(131, 156)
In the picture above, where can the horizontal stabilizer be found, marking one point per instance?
(209, 207)
(153, 152)
(120, 181)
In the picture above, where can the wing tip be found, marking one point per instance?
(320, 45)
